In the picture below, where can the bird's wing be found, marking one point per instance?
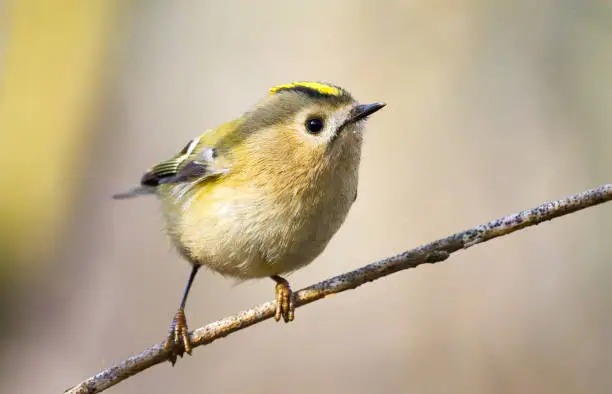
(197, 161)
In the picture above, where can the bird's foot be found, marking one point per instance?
(285, 305)
(178, 342)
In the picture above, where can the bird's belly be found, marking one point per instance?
(253, 236)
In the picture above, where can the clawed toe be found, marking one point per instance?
(178, 342)
(285, 306)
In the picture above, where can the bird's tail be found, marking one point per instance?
(135, 192)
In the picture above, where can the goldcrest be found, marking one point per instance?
(263, 194)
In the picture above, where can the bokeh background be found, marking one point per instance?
(493, 107)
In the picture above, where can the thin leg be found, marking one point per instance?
(192, 275)
(285, 305)
(178, 341)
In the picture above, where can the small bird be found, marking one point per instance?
(262, 195)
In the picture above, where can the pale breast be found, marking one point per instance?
(246, 232)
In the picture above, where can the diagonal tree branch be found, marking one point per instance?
(433, 252)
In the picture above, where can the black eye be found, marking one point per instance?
(314, 125)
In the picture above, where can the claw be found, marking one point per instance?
(178, 342)
(285, 305)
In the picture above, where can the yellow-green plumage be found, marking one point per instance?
(263, 194)
(275, 209)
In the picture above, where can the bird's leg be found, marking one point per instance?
(178, 341)
(285, 305)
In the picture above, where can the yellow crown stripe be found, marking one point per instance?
(321, 88)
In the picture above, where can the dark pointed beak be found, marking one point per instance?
(362, 111)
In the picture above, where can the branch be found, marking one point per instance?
(433, 252)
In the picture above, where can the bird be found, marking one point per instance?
(263, 194)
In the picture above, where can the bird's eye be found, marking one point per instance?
(314, 125)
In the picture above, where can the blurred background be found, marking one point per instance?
(493, 107)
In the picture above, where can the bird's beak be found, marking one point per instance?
(362, 111)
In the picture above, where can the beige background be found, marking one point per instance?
(493, 107)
